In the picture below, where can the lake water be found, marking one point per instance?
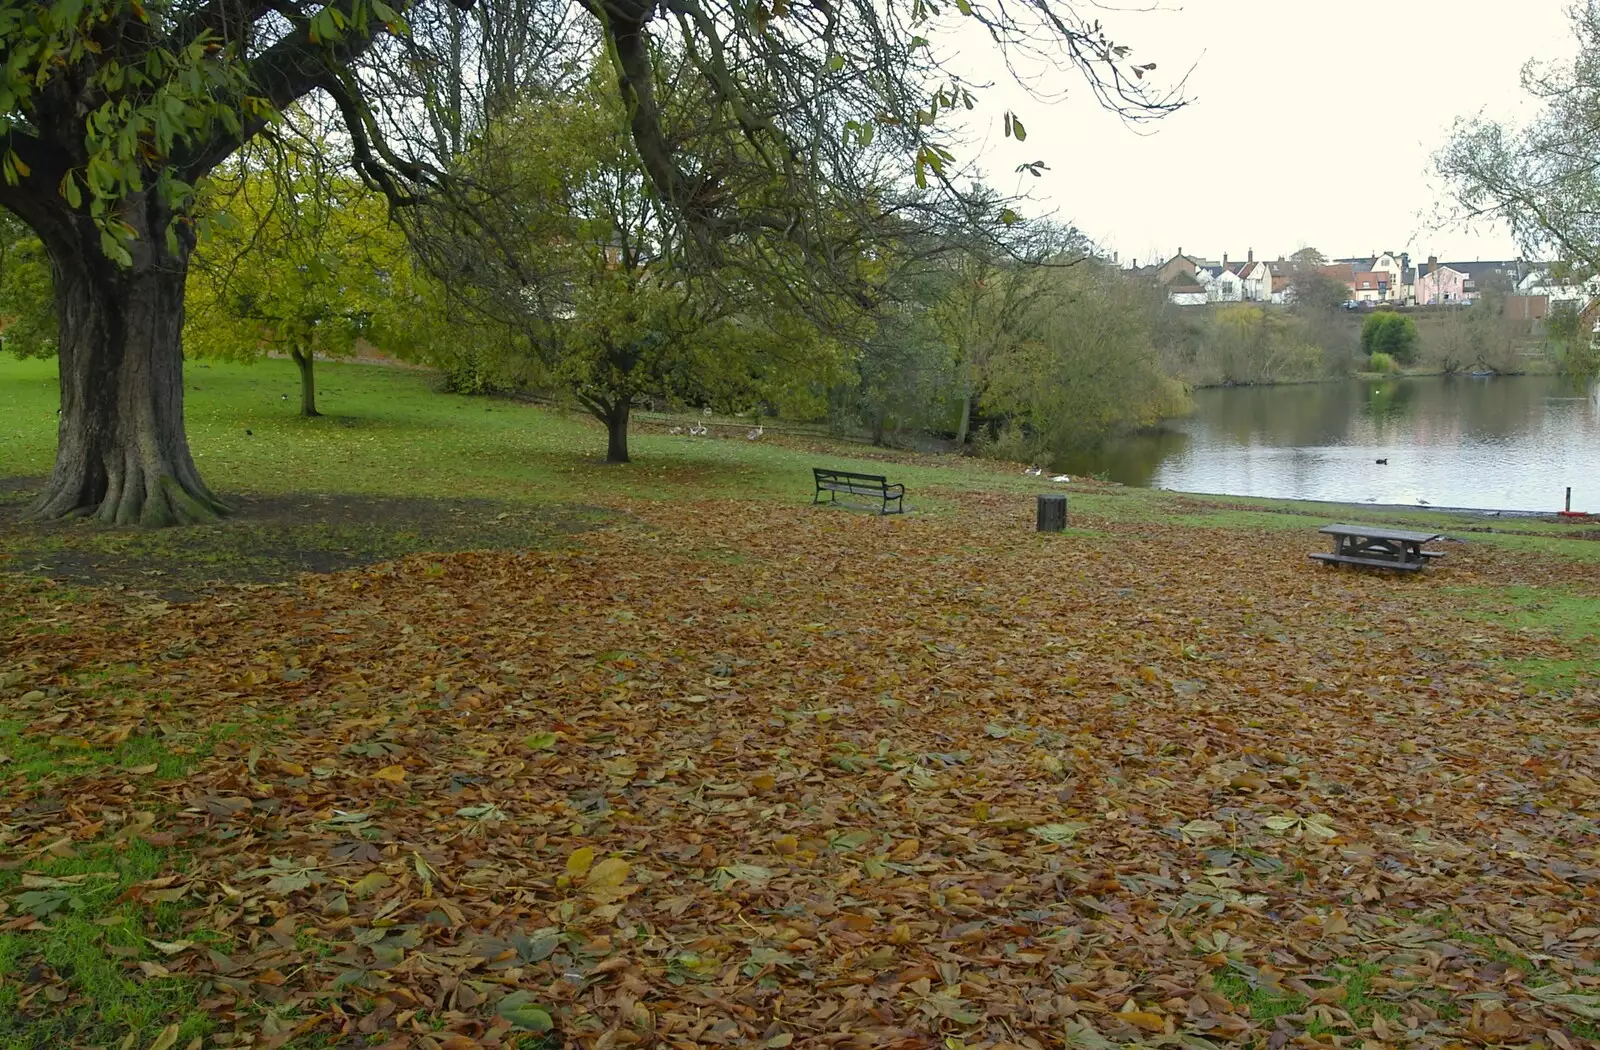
(1511, 443)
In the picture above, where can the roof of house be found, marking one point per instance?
(1424, 269)
(1184, 282)
(1487, 266)
(1281, 282)
(1371, 278)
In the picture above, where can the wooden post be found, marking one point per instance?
(1052, 512)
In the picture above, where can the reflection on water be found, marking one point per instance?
(1510, 443)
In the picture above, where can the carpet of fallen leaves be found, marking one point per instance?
(746, 774)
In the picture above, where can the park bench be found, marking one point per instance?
(875, 486)
(1377, 548)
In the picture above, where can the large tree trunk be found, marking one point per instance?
(122, 455)
(616, 421)
(307, 363)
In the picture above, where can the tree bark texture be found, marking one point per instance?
(122, 455)
(307, 363)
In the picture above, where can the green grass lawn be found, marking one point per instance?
(386, 431)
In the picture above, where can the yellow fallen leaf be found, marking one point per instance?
(906, 850)
(393, 774)
(168, 1036)
(764, 782)
(608, 874)
(371, 883)
(1144, 1019)
(578, 863)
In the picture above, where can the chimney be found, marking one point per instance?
(1136, 264)
(1180, 249)
(1224, 260)
(1250, 256)
(1116, 258)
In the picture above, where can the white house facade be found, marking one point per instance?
(1560, 289)
(1257, 282)
(1224, 286)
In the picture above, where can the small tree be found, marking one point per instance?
(303, 262)
(1570, 340)
(1387, 332)
(582, 275)
(1314, 290)
(27, 304)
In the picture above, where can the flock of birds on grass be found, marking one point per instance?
(1034, 472)
(701, 430)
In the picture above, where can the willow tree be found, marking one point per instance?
(1540, 179)
(113, 111)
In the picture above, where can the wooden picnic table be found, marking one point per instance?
(1378, 548)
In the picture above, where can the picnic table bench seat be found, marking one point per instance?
(874, 486)
(1372, 547)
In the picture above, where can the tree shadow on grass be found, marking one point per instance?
(271, 538)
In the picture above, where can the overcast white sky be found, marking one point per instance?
(1312, 123)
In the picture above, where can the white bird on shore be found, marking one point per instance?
(674, 430)
(1061, 479)
(698, 429)
(755, 435)
(1034, 472)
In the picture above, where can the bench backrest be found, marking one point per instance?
(848, 475)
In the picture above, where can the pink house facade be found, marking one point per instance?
(1439, 284)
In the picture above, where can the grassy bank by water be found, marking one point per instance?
(454, 734)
